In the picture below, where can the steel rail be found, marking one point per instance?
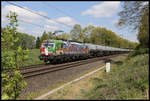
(40, 71)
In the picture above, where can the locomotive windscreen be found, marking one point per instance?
(49, 45)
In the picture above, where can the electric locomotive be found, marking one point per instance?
(61, 51)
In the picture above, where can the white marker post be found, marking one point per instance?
(107, 65)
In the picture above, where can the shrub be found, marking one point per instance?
(138, 52)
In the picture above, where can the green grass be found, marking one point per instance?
(129, 80)
(33, 58)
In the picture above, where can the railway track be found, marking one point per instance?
(31, 66)
(43, 69)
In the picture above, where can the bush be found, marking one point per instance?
(138, 52)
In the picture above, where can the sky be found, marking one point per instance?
(96, 13)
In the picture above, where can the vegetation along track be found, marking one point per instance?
(42, 69)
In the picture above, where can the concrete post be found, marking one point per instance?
(107, 61)
(107, 66)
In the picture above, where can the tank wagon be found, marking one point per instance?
(99, 50)
(58, 51)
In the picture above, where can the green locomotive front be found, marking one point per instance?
(49, 49)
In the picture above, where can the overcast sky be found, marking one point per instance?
(102, 14)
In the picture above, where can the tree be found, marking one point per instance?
(143, 35)
(135, 15)
(102, 36)
(38, 43)
(76, 33)
(45, 36)
(131, 14)
(63, 36)
(51, 36)
(86, 33)
(12, 57)
(24, 40)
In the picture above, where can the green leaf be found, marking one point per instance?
(5, 96)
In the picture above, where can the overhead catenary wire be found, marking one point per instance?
(23, 21)
(20, 20)
(31, 23)
(46, 17)
(59, 10)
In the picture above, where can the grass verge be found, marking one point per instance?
(33, 58)
(128, 81)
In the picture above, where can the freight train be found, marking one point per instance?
(58, 51)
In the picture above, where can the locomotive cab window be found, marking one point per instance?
(44, 44)
(49, 45)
